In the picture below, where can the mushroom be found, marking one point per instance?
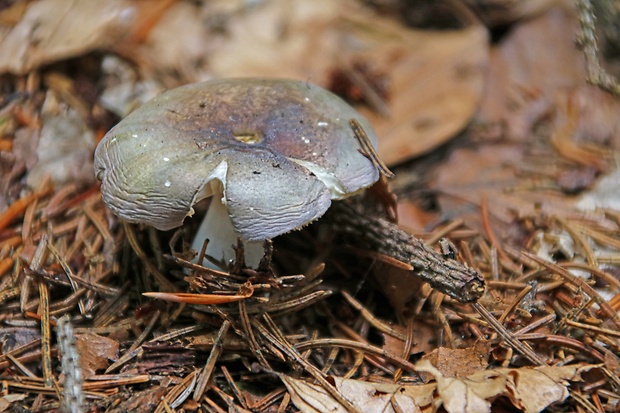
(272, 154)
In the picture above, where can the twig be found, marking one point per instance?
(379, 235)
(132, 351)
(355, 345)
(251, 339)
(578, 282)
(294, 355)
(368, 150)
(508, 336)
(46, 336)
(486, 222)
(207, 371)
(178, 394)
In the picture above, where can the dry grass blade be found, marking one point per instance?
(20, 366)
(207, 371)
(293, 355)
(595, 329)
(486, 221)
(99, 383)
(374, 321)
(178, 394)
(68, 273)
(518, 299)
(16, 209)
(522, 348)
(609, 311)
(368, 149)
(355, 345)
(250, 337)
(135, 347)
(46, 335)
(234, 388)
(199, 299)
(171, 335)
(148, 265)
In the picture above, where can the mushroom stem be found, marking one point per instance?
(218, 229)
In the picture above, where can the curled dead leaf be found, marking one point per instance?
(368, 397)
(529, 389)
(96, 352)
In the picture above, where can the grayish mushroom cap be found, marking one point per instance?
(279, 149)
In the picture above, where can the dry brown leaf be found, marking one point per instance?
(65, 146)
(436, 81)
(520, 90)
(527, 175)
(51, 30)
(398, 285)
(187, 51)
(95, 353)
(6, 402)
(494, 171)
(529, 389)
(369, 397)
(461, 362)
(425, 338)
(436, 78)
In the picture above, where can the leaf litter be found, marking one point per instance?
(521, 190)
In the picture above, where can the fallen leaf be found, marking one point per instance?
(399, 286)
(368, 397)
(6, 402)
(436, 78)
(15, 337)
(460, 362)
(436, 82)
(95, 353)
(529, 389)
(499, 172)
(425, 339)
(525, 170)
(51, 30)
(65, 146)
(519, 91)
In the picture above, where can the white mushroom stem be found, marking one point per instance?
(218, 229)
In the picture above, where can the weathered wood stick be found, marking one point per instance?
(379, 235)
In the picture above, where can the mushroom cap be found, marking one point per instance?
(279, 149)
